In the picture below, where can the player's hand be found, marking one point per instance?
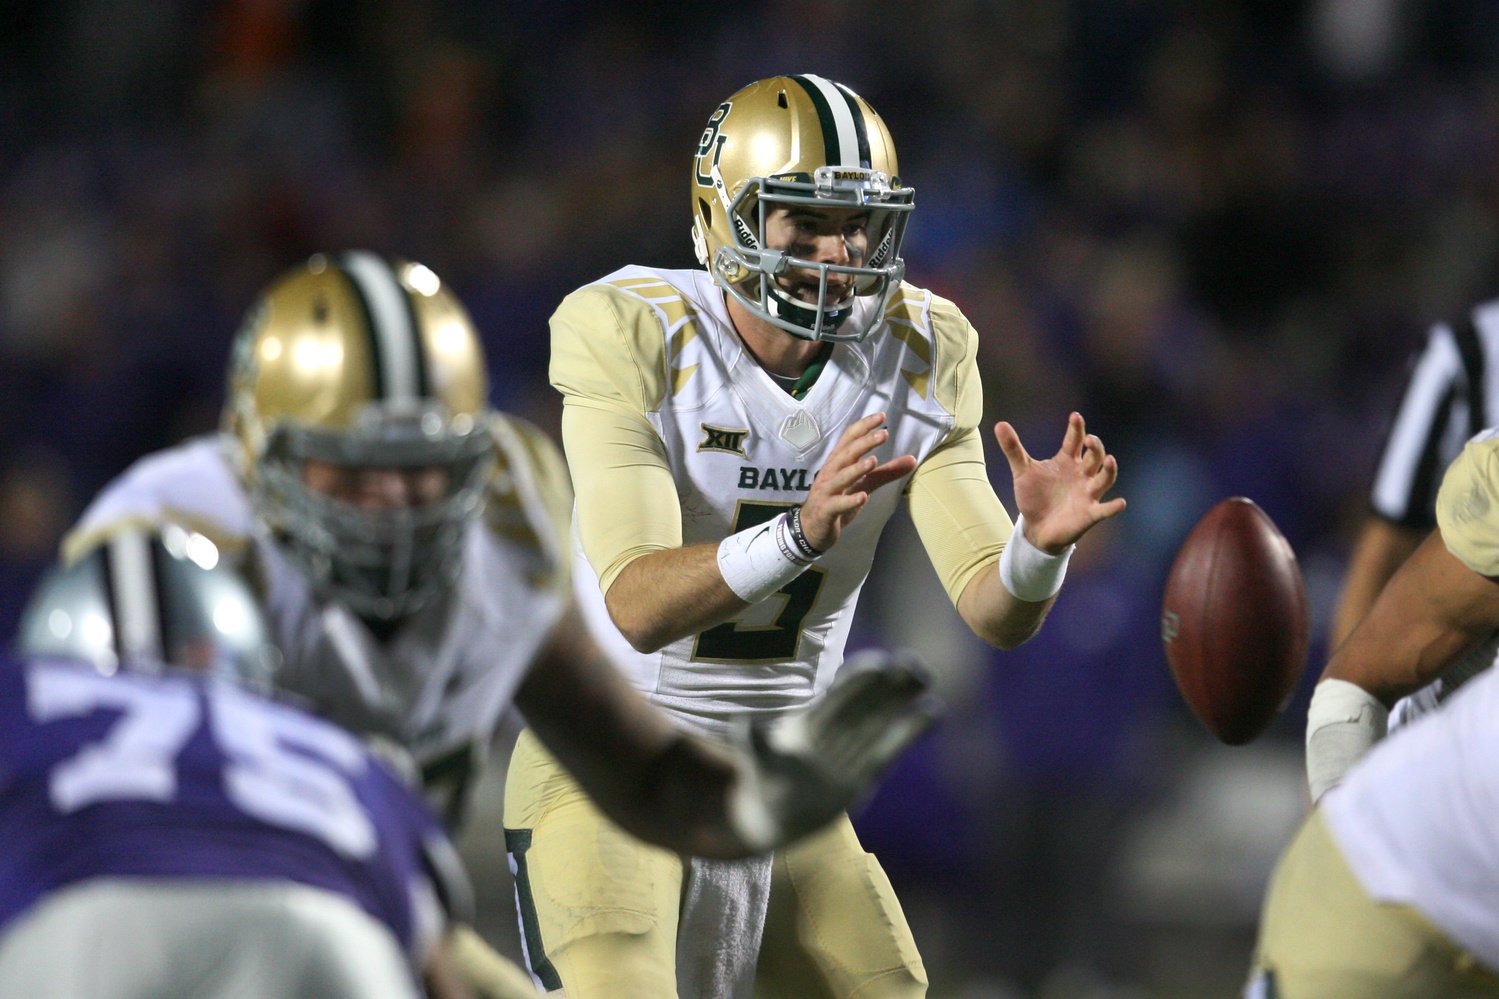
(1062, 496)
(843, 485)
(802, 770)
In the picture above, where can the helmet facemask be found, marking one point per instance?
(382, 562)
(830, 187)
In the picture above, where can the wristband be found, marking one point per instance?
(760, 560)
(1342, 721)
(799, 537)
(1026, 571)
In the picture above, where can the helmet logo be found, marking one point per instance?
(712, 142)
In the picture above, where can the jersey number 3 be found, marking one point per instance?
(774, 642)
(278, 767)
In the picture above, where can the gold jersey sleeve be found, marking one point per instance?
(961, 521)
(1468, 506)
(609, 363)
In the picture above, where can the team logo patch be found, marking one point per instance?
(723, 439)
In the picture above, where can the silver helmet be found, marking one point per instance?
(141, 600)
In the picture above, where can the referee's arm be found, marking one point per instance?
(1436, 414)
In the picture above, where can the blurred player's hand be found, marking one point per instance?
(800, 771)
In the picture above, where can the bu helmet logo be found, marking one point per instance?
(712, 142)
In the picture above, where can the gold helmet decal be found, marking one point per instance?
(359, 361)
(797, 141)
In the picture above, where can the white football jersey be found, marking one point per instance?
(439, 685)
(742, 450)
(1415, 818)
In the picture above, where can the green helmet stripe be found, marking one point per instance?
(828, 115)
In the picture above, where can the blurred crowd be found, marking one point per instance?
(1217, 230)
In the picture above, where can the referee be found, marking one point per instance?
(1453, 393)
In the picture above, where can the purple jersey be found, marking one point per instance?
(177, 777)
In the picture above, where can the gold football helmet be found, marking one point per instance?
(363, 363)
(796, 140)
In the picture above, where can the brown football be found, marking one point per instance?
(1234, 620)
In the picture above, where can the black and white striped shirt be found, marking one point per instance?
(1453, 393)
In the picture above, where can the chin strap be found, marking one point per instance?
(782, 306)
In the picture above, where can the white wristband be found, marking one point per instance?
(760, 560)
(1342, 722)
(1026, 571)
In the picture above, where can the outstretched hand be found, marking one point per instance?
(1062, 496)
(798, 772)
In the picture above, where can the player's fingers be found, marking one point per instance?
(860, 427)
(837, 469)
(849, 451)
(887, 736)
(1072, 440)
(844, 479)
(860, 712)
(839, 511)
(841, 504)
(1093, 454)
(1009, 443)
(890, 471)
(1103, 511)
(1103, 480)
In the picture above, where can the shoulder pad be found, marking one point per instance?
(529, 498)
(1466, 505)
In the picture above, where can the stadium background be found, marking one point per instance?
(1216, 229)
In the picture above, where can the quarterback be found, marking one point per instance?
(1391, 889)
(407, 542)
(734, 434)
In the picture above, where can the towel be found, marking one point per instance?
(723, 918)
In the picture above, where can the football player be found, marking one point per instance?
(407, 542)
(1452, 393)
(735, 436)
(403, 534)
(168, 832)
(1391, 888)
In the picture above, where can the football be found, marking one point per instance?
(1234, 620)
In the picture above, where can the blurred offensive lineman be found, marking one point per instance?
(403, 534)
(729, 432)
(1391, 889)
(170, 833)
(407, 541)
